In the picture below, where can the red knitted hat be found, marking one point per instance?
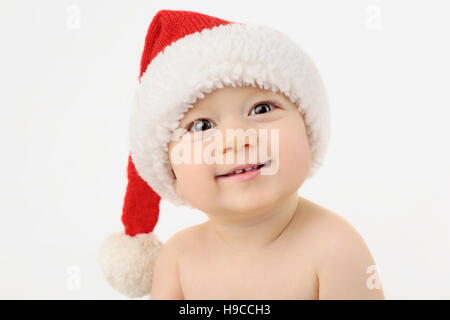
(187, 54)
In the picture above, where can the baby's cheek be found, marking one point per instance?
(294, 154)
(196, 183)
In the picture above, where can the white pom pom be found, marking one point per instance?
(127, 262)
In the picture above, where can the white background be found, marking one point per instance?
(66, 90)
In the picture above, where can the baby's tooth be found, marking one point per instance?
(238, 171)
(248, 169)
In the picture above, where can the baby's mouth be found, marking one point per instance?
(243, 171)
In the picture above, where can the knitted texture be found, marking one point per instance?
(170, 25)
(141, 204)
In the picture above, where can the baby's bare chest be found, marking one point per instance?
(270, 275)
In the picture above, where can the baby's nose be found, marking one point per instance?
(238, 138)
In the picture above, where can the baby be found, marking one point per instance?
(262, 241)
(201, 79)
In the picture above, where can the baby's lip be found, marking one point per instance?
(242, 167)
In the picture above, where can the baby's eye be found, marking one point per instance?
(200, 125)
(262, 108)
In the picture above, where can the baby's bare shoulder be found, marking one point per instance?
(186, 238)
(327, 230)
(313, 223)
(340, 253)
(324, 233)
(325, 222)
(165, 280)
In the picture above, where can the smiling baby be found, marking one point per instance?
(231, 119)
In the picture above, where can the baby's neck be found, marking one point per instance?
(258, 232)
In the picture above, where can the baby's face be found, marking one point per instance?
(242, 108)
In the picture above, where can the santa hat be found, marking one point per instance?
(187, 54)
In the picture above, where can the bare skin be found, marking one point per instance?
(319, 255)
(262, 240)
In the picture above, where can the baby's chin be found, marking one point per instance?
(248, 202)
